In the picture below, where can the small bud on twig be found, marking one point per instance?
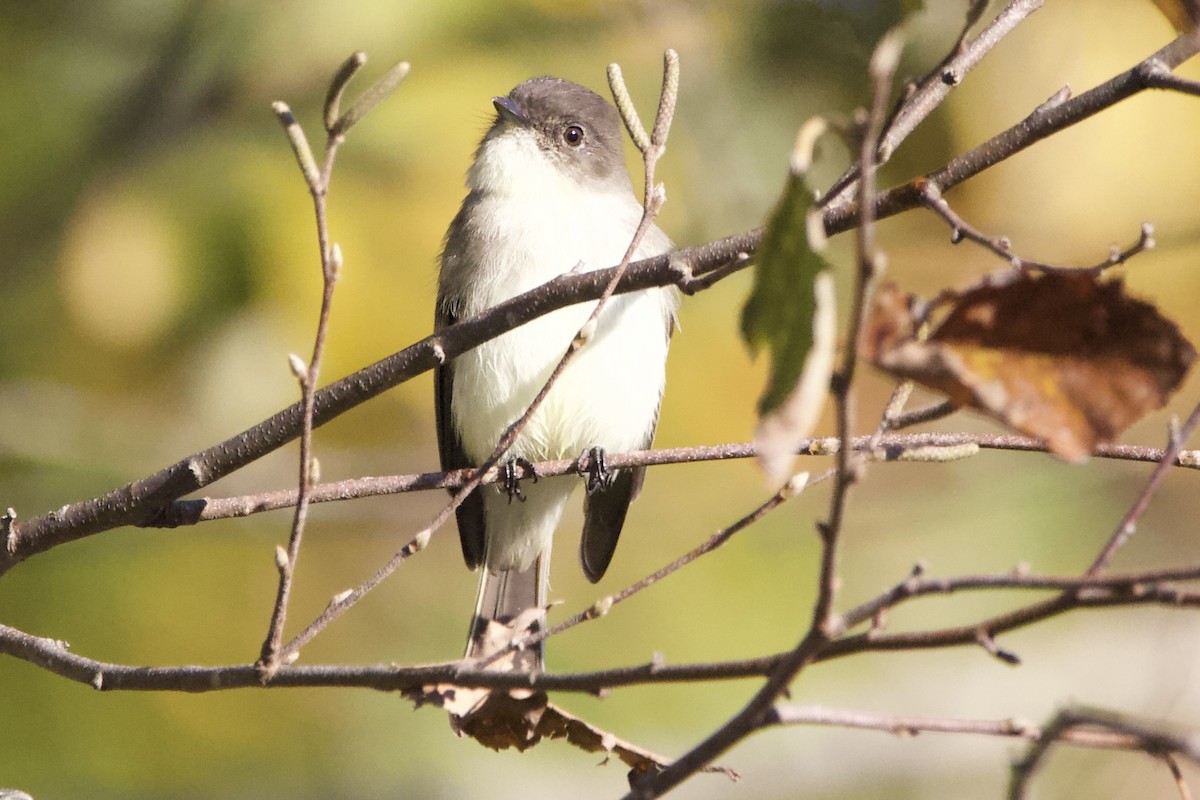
(334, 270)
(298, 367)
(629, 115)
(373, 96)
(337, 87)
(300, 148)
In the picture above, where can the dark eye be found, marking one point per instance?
(573, 135)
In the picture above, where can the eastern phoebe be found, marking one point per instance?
(549, 194)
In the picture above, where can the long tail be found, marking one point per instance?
(505, 597)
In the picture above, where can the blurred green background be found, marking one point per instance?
(160, 263)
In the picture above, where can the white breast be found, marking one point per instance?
(543, 224)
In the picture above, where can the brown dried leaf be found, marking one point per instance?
(521, 718)
(1067, 357)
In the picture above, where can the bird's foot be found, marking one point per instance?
(510, 479)
(593, 465)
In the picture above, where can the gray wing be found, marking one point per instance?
(604, 516)
(604, 511)
(471, 529)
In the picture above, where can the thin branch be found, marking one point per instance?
(920, 416)
(1177, 775)
(1043, 122)
(605, 604)
(870, 263)
(895, 447)
(1148, 737)
(1128, 523)
(916, 584)
(1099, 597)
(931, 198)
(285, 561)
(1124, 590)
(934, 88)
(336, 125)
(914, 725)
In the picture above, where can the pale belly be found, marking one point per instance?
(608, 396)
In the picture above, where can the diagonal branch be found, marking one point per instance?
(138, 503)
(1128, 524)
(933, 89)
(1048, 119)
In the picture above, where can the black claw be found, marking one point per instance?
(510, 481)
(598, 475)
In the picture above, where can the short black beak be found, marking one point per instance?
(509, 111)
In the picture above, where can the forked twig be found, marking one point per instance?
(1147, 737)
(931, 197)
(317, 179)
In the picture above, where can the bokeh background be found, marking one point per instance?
(160, 263)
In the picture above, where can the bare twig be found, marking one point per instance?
(1071, 598)
(602, 606)
(931, 198)
(894, 447)
(317, 180)
(1177, 775)
(870, 263)
(1129, 589)
(919, 416)
(1148, 737)
(308, 376)
(914, 725)
(1045, 121)
(1128, 523)
(933, 89)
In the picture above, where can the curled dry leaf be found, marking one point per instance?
(521, 718)
(502, 719)
(1068, 357)
(496, 718)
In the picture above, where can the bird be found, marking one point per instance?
(548, 194)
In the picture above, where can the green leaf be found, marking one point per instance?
(779, 314)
